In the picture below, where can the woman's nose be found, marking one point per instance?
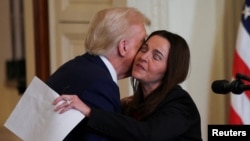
(145, 56)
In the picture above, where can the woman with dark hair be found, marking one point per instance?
(160, 109)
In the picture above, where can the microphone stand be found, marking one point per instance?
(241, 76)
(239, 85)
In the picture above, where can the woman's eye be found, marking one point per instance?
(157, 57)
(143, 48)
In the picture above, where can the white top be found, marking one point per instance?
(110, 68)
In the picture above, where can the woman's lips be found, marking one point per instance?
(139, 67)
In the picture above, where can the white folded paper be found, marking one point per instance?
(34, 118)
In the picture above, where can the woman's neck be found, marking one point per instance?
(148, 88)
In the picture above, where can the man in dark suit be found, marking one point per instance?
(113, 39)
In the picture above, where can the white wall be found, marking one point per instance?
(208, 27)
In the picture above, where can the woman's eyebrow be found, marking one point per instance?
(158, 52)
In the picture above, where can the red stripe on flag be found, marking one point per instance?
(241, 67)
(234, 118)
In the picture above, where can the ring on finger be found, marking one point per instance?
(68, 102)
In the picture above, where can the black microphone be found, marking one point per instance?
(224, 87)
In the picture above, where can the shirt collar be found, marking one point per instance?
(110, 68)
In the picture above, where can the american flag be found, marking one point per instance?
(239, 112)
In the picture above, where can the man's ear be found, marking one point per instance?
(123, 47)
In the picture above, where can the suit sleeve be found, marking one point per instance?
(167, 123)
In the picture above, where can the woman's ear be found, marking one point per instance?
(123, 47)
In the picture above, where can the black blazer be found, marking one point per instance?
(89, 78)
(175, 119)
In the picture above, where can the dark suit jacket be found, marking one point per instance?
(175, 119)
(89, 78)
